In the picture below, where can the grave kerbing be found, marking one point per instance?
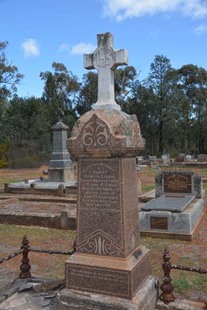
(109, 261)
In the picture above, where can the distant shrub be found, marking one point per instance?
(32, 161)
(4, 155)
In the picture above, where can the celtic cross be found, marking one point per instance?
(105, 59)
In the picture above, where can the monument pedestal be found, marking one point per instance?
(106, 275)
(60, 174)
(145, 299)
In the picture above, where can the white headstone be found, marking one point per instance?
(105, 59)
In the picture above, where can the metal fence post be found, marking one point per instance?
(166, 287)
(25, 266)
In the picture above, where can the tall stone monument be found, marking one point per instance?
(110, 265)
(60, 166)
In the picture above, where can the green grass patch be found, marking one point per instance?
(181, 283)
(147, 188)
(12, 235)
(205, 186)
(185, 281)
(159, 244)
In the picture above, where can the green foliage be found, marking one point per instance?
(60, 89)
(9, 76)
(125, 79)
(193, 115)
(26, 162)
(3, 155)
(88, 93)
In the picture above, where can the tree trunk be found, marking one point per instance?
(160, 133)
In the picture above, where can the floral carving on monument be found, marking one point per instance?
(99, 243)
(95, 133)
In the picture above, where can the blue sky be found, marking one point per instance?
(40, 32)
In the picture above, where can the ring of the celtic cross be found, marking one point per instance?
(103, 57)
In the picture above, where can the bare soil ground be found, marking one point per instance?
(187, 284)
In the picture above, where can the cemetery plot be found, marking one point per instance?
(177, 208)
(187, 285)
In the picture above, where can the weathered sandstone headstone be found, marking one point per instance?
(109, 259)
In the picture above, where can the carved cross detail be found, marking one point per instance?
(60, 115)
(105, 59)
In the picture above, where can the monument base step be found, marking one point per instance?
(115, 276)
(145, 299)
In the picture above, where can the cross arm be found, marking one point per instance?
(88, 61)
(121, 57)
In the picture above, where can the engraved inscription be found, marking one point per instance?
(100, 189)
(159, 222)
(177, 183)
(93, 279)
(99, 208)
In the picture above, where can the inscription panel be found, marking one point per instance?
(99, 207)
(98, 280)
(159, 222)
(177, 183)
(57, 141)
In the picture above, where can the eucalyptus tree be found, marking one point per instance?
(163, 99)
(9, 75)
(125, 79)
(193, 83)
(88, 92)
(9, 79)
(60, 89)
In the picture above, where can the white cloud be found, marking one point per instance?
(83, 48)
(201, 29)
(30, 48)
(122, 9)
(65, 48)
(195, 8)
